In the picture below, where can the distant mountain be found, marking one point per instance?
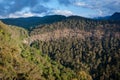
(115, 16)
(102, 18)
(33, 21)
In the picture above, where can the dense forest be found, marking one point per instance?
(19, 61)
(75, 48)
(29, 22)
(82, 44)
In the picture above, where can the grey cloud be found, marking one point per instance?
(11, 6)
(104, 7)
(39, 9)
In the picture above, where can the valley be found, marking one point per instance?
(64, 48)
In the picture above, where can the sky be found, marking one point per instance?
(85, 8)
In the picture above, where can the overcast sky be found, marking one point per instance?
(86, 8)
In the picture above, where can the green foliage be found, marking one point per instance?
(91, 49)
(19, 61)
(97, 52)
(83, 76)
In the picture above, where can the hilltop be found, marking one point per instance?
(115, 16)
(31, 22)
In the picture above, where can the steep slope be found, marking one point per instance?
(82, 44)
(19, 61)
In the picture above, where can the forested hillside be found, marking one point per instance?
(81, 45)
(59, 39)
(74, 48)
(19, 61)
(30, 22)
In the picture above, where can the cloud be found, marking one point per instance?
(13, 7)
(25, 14)
(104, 7)
(28, 12)
(9, 8)
(39, 9)
(63, 12)
(82, 4)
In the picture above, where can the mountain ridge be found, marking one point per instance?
(35, 21)
(31, 22)
(114, 17)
